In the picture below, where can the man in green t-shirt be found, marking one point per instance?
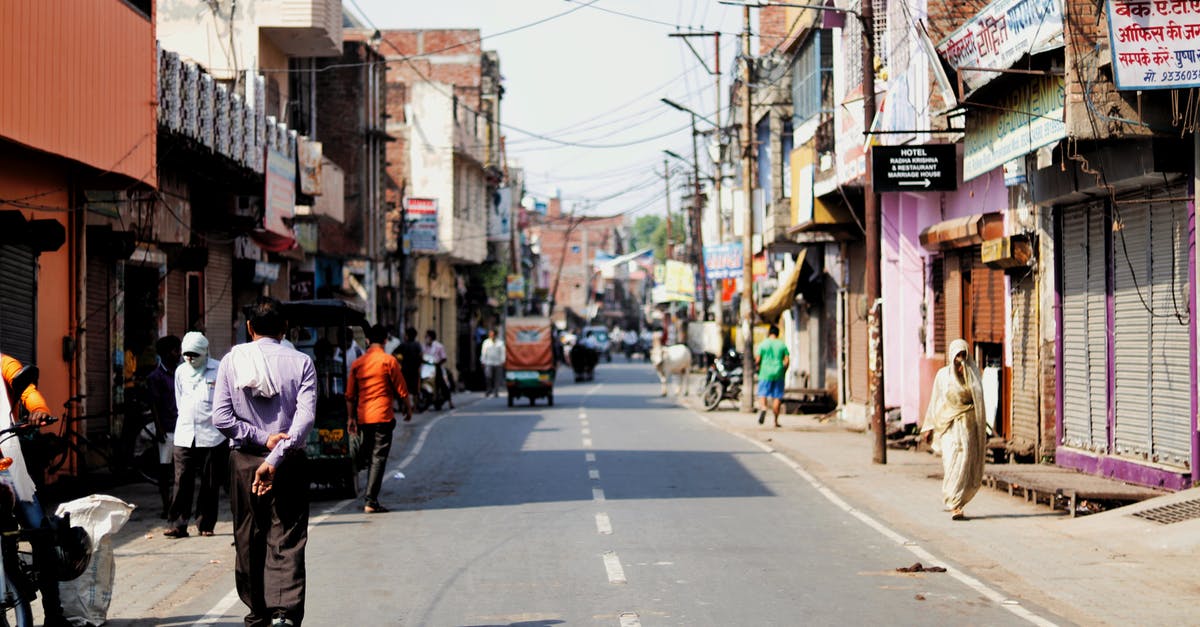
(772, 360)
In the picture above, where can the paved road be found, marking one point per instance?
(614, 507)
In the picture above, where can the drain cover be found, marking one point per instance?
(1173, 513)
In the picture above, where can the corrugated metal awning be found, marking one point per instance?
(961, 232)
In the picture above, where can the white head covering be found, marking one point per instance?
(195, 342)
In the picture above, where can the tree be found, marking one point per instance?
(642, 232)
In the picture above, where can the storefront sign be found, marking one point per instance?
(1000, 34)
(928, 168)
(1152, 45)
(515, 285)
(499, 225)
(676, 282)
(1023, 120)
(422, 223)
(723, 261)
(280, 196)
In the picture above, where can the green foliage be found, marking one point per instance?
(495, 277)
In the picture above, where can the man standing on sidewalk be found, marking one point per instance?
(200, 450)
(265, 402)
(160, 388)
(410, 352)
(375, 382)
(492, 358)
(772, 360)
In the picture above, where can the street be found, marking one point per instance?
(615, 507)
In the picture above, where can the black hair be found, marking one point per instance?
(431, 334)
(410, 334)
(774, 330)
(167, 344)
(266, 317)
(377, 334)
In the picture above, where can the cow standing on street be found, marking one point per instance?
(675, 359)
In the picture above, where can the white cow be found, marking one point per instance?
(674, 359)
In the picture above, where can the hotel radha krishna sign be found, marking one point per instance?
(1155, 43)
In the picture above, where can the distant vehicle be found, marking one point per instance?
(529, 366)
(597, 336)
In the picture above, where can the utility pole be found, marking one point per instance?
(871, 209)
(747, 400)
(697, 233)
(667, 179)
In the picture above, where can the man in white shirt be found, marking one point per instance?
(200, 450)
(435, 353)
(492, 358)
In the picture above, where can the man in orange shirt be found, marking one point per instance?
(374, 382)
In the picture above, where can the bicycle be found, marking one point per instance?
(115, 453)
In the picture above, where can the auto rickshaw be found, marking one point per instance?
(319, 329)
(529, 367)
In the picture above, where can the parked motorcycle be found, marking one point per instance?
(723, 380)
(430, 393)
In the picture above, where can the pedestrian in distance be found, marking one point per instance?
(265, 402)
(492, 358)
(435, 352)
(200, 449)
(772, 360)
(957, 428)
(374, 384)
(160, 391)
(409, 353)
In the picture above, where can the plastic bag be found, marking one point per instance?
(85, 600)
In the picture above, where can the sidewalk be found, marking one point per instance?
(1026, 551)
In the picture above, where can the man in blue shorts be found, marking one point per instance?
(772, 360)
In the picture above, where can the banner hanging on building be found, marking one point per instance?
(1152, 43)
(515, 284)
(999, 35)
(676, 282)
(500, 215)
(422, 221)
(723, 261)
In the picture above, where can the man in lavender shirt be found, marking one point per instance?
(265, 402)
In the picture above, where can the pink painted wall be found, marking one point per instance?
(903, 278)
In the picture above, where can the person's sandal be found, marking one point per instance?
(175, 533)
(206, 534)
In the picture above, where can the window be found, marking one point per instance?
(785, 159)
(812, 78)
(763, 137)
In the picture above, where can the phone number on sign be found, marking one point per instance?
(1180, 75)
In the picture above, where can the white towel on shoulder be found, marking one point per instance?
(251, 371)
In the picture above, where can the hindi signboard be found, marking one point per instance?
(422, 221)
(1152, 43)
(1022, 120)
(999, 35)
(928, 168)
(723, 261)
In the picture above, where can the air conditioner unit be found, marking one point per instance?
(207, 115)
(221, 120)
(191, 100)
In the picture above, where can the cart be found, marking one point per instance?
(318, 328)
(529, 359)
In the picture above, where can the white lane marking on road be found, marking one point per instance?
(612, 564)
(587, 443)
(590, 457)
(598, 495)
(593, 474)
(967, 580)
(583, 415)
(218, 611)
(603, 524)
(586, 431)
(629, 619)
(594, 390)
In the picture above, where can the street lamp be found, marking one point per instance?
(866, 17)
(697, 235)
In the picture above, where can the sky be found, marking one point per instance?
(594, 77)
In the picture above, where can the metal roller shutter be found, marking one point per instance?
(987, 300)
(1025, 398)
(1170, 354)
(1084, 329)
(18, 308)
(97, 324)
(1132, 295)
(176, 305)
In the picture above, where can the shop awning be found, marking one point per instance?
(961, 232)
(782, 297)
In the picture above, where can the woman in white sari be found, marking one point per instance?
(955, 420)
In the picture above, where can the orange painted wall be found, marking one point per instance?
(24, 173)
(80, 81)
